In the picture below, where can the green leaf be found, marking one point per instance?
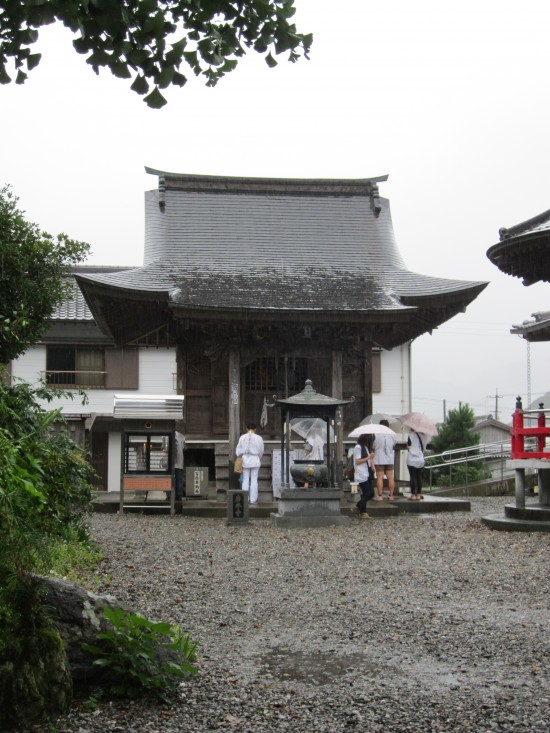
(81, 45)
(33, 60)
(120, 69)
(140, 85)
(5, 78)
(155, 99)
(164, 77)
(179, 80)
(270, 61)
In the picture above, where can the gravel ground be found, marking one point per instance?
(417, 623)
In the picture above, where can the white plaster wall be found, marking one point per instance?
(396, 390)
(157, 368)
(30, 365)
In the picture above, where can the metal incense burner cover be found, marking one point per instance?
(308, 403)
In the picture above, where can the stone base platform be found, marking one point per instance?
(309, 508)
(530, 518)
(217, 507)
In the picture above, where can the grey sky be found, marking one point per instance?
(450, 98)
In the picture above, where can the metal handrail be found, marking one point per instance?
(66, 378)
(485, 452)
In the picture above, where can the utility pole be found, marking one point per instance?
(496, 396)
(528, 374)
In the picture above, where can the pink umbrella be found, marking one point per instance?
(419, 422)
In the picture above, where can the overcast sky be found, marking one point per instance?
(448, 97)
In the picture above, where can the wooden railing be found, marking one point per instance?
(68, 380)
(530, 426)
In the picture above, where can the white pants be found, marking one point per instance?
(250, 483)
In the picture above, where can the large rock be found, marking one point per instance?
(78, 614)
(35, 679)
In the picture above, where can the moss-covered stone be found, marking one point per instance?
(35, 679)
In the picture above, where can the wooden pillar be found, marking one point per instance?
(367, 379)
(337, 392)
(234, 404)
(181, 383)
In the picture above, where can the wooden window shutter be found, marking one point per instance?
(122, 367)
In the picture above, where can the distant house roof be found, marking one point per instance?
(524, 250)
(490, 422)
(258, 248)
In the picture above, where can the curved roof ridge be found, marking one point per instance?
(535, 222)
(262, 179)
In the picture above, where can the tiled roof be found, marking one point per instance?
(75, 307)
(537, 329)
(259, 245)
(524, 250)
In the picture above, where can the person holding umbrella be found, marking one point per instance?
(421, 429)
(363, 456)
(415, 462)
(384, 455)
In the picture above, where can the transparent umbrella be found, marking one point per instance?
(314, 431)
(374, 419)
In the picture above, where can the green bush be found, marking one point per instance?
(44, 498)
(140, 655)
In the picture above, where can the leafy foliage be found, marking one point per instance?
(32, 266)
(153, 38)
(76, 559)
(140, 655)
(455, 432)
(44, 491)
(44, 496)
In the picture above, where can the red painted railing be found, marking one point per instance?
(529, 426)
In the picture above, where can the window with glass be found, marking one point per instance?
(67, 366)
(146, 453)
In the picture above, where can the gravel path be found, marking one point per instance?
(413, 624)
